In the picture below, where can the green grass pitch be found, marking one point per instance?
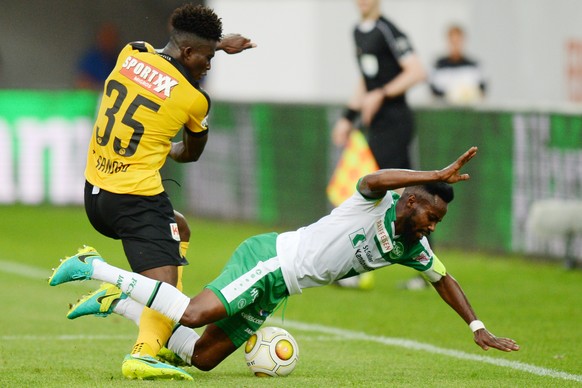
(386, 337)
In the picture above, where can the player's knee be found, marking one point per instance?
(194, 317)
(204, 364)
(191, 318)
(206, 358)
(203, 309)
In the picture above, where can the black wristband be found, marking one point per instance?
(351, 114)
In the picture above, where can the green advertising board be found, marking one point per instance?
(43, 145)
(270, 163)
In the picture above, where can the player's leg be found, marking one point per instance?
(390, 136)
(152, 246)
(213, 347)
(154, 328)
(254, 265)
(250, 287)
(198, 312)
(109, 299)
(222, 338)
(157, 295)
(184, 231)
(150, 236)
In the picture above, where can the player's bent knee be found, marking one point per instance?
(195, 317)
(203, 309)
(207, 358)
(191, 318)
(204, 364)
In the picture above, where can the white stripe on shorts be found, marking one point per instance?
(247, 280)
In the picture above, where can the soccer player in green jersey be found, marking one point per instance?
(378, 226)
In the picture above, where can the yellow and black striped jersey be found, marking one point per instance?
(147, 99)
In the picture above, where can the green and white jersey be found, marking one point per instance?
(357, 236)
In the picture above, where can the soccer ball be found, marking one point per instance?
(271, 351)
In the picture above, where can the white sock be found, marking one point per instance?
(130, 309)
(182, 343)
(159, 296)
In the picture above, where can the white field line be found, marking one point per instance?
(80, 337)
(28, 271)
(34, 272)
(24, 270)
(410, 344)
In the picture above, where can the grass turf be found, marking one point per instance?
(536, 303)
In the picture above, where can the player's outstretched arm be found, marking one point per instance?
(451, 292)
(376, 184)
(234, 44)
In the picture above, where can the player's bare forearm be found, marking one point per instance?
(451, 292)
(188, 150)
(376, 184)
(178, 154)
(181, 154)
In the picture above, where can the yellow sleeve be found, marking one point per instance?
(436, 271)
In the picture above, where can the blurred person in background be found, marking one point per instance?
(96, 63)
(389, 67)
(1, 70)
(148, 97)
(455, 78)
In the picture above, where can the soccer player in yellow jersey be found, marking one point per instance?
(147, 99)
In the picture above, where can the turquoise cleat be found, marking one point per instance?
(78, 267)
(99, 302)
(148, 368)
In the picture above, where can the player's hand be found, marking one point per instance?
(371, 105)
(450, 174)
(487, 340)
(234, 44)
(341, 132)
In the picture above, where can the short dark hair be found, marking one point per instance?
(440, 189)
(198, 20)
(455, 29)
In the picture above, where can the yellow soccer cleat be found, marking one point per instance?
(148, 368)
(169, 357)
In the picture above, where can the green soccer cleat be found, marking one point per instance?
(98, 302)
(78, 267)
(148, 368)
(169, 357)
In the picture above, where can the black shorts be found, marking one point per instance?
(391, 134)
(145, 225)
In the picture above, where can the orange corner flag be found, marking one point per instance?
(355, 161)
